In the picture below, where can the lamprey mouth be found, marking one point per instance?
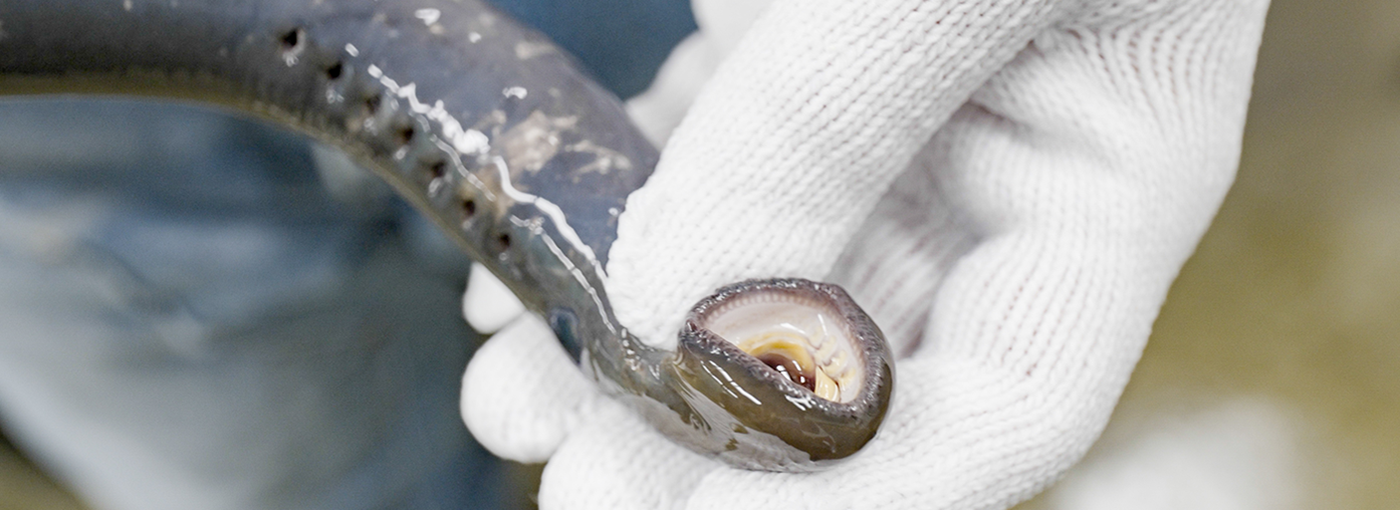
(797, 364)
(798, 332)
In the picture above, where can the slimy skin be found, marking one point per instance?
(522, 160)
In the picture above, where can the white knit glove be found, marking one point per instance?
(1007, 186)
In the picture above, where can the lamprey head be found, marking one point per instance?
(794, 370)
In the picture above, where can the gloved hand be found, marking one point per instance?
(1007, 186)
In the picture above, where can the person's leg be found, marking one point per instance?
(192, 321)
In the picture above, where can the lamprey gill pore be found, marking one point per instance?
(491, 131)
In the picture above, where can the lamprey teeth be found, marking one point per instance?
(825, 387)
(798, 334)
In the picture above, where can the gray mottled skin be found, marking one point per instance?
(482, 124)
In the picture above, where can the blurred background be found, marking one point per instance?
(1272, 379)
(1276, 359)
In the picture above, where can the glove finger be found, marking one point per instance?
(521, 394)
(488, 304)
(726, 21)
(1085, 210)
(793, 142)
(659, 109)
(618, 462)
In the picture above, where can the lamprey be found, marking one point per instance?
(494, 133)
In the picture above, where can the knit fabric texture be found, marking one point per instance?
(1009, 187)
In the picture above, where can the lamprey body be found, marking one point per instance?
(491, 131)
